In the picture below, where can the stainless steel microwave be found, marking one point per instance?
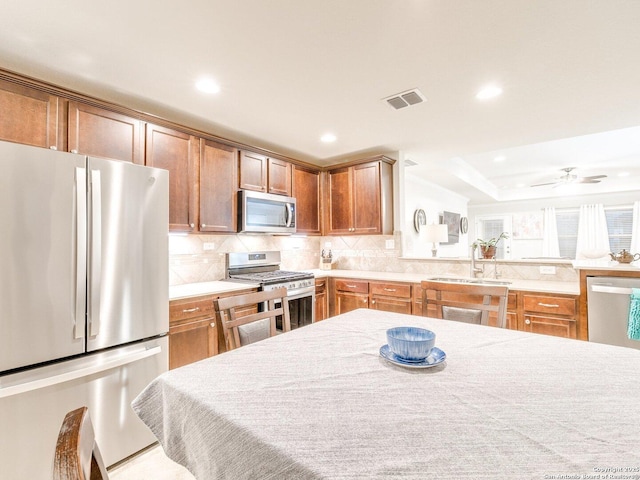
(265, 213)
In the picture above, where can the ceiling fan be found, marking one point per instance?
(569, 177)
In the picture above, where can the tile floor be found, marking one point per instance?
(150, 464)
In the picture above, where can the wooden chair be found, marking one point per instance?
(228, 321)
(77, 456)
(471, 303)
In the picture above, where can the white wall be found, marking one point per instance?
(433, 199)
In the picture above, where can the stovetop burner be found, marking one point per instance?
(272, 276)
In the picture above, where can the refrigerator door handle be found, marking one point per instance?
(96, 253)
(81, 251)
(72, 374)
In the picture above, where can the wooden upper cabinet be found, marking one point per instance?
(31, 117)
(340, 202)
(306, 190)
(218, 192)
(279, 177)
(253, 171)
(177, 152)
(361, 199)
(103, 133)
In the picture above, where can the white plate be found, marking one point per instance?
(436, 357)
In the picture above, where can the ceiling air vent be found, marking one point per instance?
(409, 163)
(405, 99)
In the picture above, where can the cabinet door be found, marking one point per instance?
(218, 192)
(306, 190)
(102, 133)
(191, 342)
(321, 307)
(559, 327)
(340, 202)
(279, 175)
(177, 152)
(31, 117)
(347, 301)
(253, 171)
(366, 198)
(391, 304)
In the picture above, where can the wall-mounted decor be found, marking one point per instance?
(527, 225)
(419, 218)
(452, 221)
(464, 225)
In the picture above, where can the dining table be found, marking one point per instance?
(327, 401)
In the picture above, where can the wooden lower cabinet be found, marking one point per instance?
(550, 314)
(193, 333)
(350, 295)
(322, 304)
(390, 297)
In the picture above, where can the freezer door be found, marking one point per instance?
(128, 278)
(33, 404)
(42, 279)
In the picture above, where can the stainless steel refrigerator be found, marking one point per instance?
(83, 300)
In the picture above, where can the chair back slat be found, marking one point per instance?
(77, 456)
(490, 300)
(272, 304)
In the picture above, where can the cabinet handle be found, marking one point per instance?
(548, 305)
(53, 147)
(350, 286)
(389, 289)
(372, 302)
(213, 324)
(527, 321)
(202, 225)
(365, 300)
(74, 150)
(192, 225)
(191, 310)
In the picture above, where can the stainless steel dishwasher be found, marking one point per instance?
(608, 309)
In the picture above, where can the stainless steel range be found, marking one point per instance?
(264, 268)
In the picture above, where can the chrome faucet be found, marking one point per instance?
(474, 270)
(496, 274)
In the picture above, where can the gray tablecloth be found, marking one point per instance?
(319, 402)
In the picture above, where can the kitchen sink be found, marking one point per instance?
(475, 281)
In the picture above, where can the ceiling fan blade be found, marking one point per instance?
(594, 177)
(543, 184)
(587, 180)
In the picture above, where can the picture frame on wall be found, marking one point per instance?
(452, 221)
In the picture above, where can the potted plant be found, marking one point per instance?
(488, 247)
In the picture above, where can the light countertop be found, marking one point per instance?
(544, 286)
(207, 288)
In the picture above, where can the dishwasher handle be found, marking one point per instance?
(611, 289)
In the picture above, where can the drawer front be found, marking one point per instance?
(321, 285)
(546, 304)
(390, 289)
(357, 286)
(180, 310)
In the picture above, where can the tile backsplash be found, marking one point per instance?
(201, 258)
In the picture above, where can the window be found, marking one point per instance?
(619, 226)
(567, 225)
(491, 227)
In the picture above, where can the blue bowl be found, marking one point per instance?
(411, 344)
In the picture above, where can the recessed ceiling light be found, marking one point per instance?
(520, 185)
(623, 174)
(328, 138)
(207, 85)
(499, 158)
(490, 91)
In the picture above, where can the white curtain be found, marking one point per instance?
(635, 228)
(550, 245)
(593, 235)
